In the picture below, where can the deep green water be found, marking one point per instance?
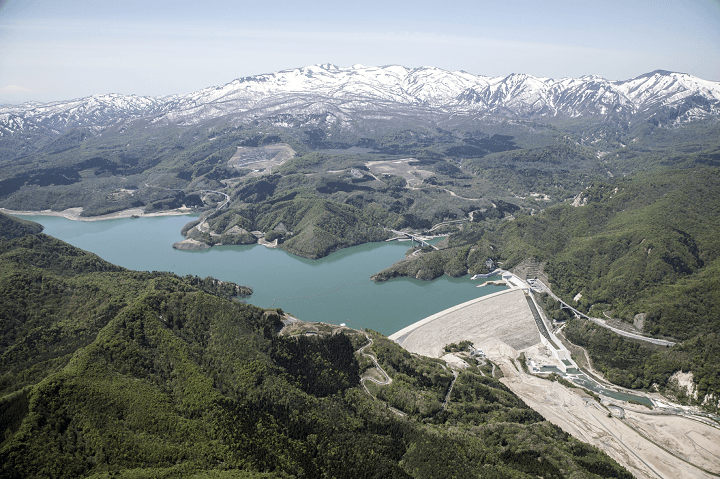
(333, 289)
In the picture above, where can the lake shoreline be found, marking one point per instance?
(279, 278)
(74, 213)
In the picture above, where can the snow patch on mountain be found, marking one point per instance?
(384, 91)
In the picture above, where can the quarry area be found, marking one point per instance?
(659, 441)
(407, 168)
(260, 160)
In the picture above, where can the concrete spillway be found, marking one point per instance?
(502, 317)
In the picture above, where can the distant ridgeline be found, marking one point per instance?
(105, 371)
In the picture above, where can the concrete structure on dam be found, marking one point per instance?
(503, 317)
(501, 324)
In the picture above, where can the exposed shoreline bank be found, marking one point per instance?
(74, 213)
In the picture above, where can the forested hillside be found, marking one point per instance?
(630, 246)
(643, 245)
(14, 227)
(110, 372)
(302, 222)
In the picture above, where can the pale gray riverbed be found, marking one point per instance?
(583, 380)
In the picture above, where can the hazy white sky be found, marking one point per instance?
(63, 49)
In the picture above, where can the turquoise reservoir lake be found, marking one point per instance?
(335, 289)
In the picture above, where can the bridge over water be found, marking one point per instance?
(412, 237)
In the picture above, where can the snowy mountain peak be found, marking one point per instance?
(348, 91)
(592, 78)
(96, 110)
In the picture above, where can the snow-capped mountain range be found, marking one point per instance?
(360, 90)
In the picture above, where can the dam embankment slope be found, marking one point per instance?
(499, 319)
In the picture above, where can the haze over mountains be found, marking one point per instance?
(370, 93)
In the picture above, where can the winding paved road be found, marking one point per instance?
(540, 286)
(388, 379)
(227, 198)
(452, 384)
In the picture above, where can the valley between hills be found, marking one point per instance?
(611, 203)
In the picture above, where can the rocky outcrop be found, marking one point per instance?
(639, 321)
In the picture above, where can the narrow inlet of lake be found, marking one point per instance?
(334, 289)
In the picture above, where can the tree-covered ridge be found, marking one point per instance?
(113, 372)
(14, 227)
(55, 298)
(303, 223)
(627, 242)
(642, 244)
(456, 259)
